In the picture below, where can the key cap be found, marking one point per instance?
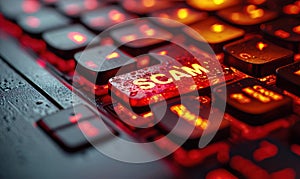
(167, 80)
(179, 13)
(77, 136)
(66, 41)
(284, 32)
(66, 117)
(212, 5)
(13, 8)
(256, 56)
(247, 15)
(190, 114)
(100, 19)
(145, 6)
(45, 19)
(215, 32)
(73, 8)
(255, 103)
(288, 78)
(142, 30)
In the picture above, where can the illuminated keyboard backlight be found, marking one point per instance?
(77, 37)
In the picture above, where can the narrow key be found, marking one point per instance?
(140, 37)
(13, 8)
(65, 42)
(45, 19)
(284, 32)
(102, 18)
(214, 32)
(256, 56)
(247, 15)
(179, 13)
(212, 5)
(74, 8)
(145, 6)
(288, 78)
(255, 103)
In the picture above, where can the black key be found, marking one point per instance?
(295, 133)
(255, 103)
(74, 8)
(45, 19)
(13, 8)
(99, 64)
(67, 41)
(288, 78)
(81, 134)
(145, 7)
(100, 19)
(284, 32)
(247, 15)
(256, 56)
(66, 117)
(138, 37)
(212, 5)
(214, 32)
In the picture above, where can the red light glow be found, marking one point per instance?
(91, 64)
(88, 129)
(282, 34)
(116, 15)
(33, 21)
(30, 6)
(75, 118)
(77, 37)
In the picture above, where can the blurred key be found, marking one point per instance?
(292, 9)
(255, 103)
(66, 41)
(212, 5)
(73, 8)
(13, 8)
(284, 32)
(100, 19)
(138, 37)
(45, 19)
(215, 32)
(180, 13)
(256, 56)
(247, 15)
(50, 2)
(288, 78)
(145, 6)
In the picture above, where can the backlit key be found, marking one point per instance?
(100, 19)
(215, 32)
(255, 103)
(213, 5)
(167, 80)
(45, 19)
(247, 15)
(68, 40)
(145, 6)
(140, 37)
(288, 78)
(179, 13)
(73, 8)
(256, 56)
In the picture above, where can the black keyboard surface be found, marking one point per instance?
(80, 75)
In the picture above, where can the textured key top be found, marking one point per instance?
(215, 32)
(13, 8)
(99, 64)
(145, 6)
(179, 13)
(247, 15)
(284, 32)
(45, 19)
(142, 30)
(212, 5)
(73, 8)
(255, 103)
(67, 41)
(256, 56)
(100, 19)
(288, 78)
(66, 117)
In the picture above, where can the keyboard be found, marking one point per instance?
(140, 88)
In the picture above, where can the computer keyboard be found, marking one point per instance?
(132, 85)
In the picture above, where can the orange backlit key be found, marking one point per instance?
(254, 102)
(256, 56)
(247, 15)
(102, 18)
(145, 6)
(213, 5)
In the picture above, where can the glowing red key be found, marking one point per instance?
(77, 37)
(266, 150)
(220, 174)
(88, 129)
(282, 34)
